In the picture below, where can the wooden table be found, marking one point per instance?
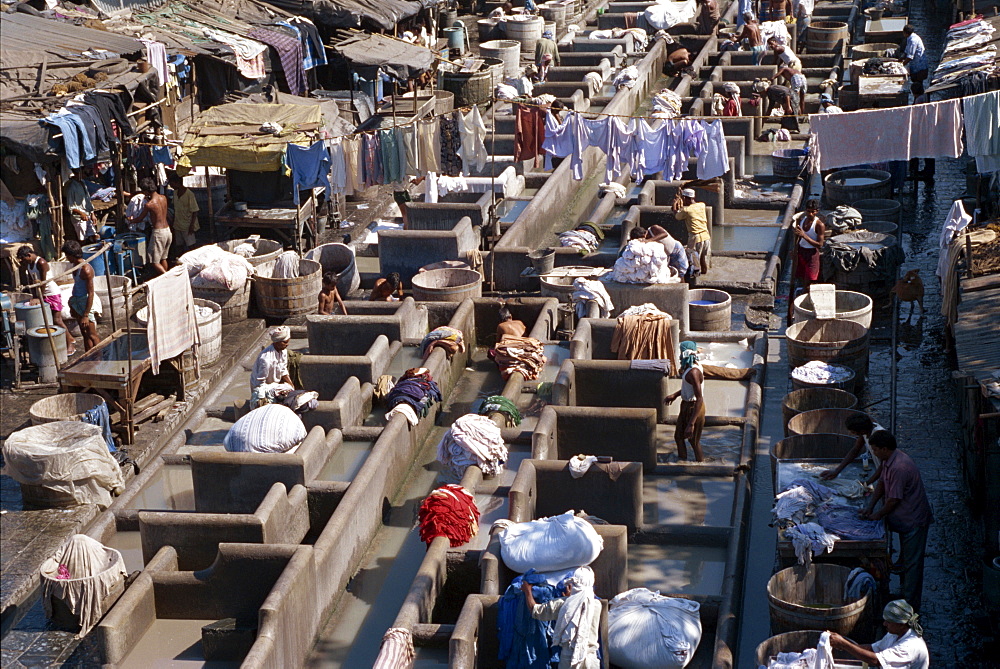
(296, 225)
(104, 370)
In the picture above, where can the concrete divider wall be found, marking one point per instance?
(326, 374)
(353, 334)
(612, 492)
(281, 518)
(448, 211)
(609, 383)
(238, 482)
(406, 251)
(625, 434)
(593, 336)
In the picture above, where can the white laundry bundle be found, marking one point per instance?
(627, 77)
(286, 266)
(272, 428)
(815, 371)
(646, 629)
(808, 539)
(549, 544)
(666, 104)
(820, 657)
(793, 504)
(579, 239)
(643, 262)
(614, 187)
(245, 250)
(580, 465)
(585, 290)
(472, 440)
(213, 267)
(640, 309)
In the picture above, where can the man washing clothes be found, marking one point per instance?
(695, 215)
(902, 648)
(905, 508)
(577, 617)
(509, 327)
(751, 33)
(677, 256)
(863, 428)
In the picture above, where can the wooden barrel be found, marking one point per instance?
(879, 210)
(831, 341)
(446, 19)
(64, 406)
(506, 50)
(554, 11)
(267, 251)
(876, 49)
(444, 102)
(848, 306)
(850, 186)
(526, 31)
(793, 642)
(813, 447)
(811, 597)
(709, 310)
(826, 37)
(469, 88)
(875, 280)
(234, 303)
(881, 227)
(447, 285)
(283, 298)
(822, 421)
(809, 399)
(210, 333)
(487, 29)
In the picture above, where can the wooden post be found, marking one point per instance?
(116, 164)
(211, 203)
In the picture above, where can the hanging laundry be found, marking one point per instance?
(564, 138)
(529, 132)
(314, 52)
(392, 171)
(289, 50)
(411, 147)
(451, 145)
(156, 56)
(713, 161)
(338, 166)
(76, 145)
(428, 145)
(371, 161)
(249, 54)
(352, 164)
(399, 138)
(310, 167)
(472, 130)
(982, 130)
(613, 137)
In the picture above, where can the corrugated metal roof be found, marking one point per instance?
(115, 7)
(27, 33)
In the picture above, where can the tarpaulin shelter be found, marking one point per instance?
(396, 58)
(230, 135)
(379, 14)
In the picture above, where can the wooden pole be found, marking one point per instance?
(117, 165)
(211, 203)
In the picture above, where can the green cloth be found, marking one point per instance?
(546, 46)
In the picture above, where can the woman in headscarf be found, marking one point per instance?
(691, 417)
(902, 648)
(577, 620)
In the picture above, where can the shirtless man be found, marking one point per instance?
(508, 326)
(751, 33)
(156, 208)
(330, 296)
(678, 58)
(798, 81)
(387, 289)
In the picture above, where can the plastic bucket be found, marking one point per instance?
(543, 260)
(101, 262)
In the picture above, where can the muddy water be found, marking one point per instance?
(346, 461)
(555, 354)
(172, 644)
(170, 489)
(751, 239)
(407, 358)
(129, 544)
(691, 570)
(687, 500)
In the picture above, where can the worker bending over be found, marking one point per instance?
(577, 617)
(509, 327)
(863, 428)
(902, 648)
(695, 215)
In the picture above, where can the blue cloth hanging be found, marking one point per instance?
(100, 417)
(310, 167)
(525, 642)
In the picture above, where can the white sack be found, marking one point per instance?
(550, 544)
(94, 571)
(68, 457)
(272, 428)
(649, 631)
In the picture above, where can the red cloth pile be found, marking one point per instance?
(450, 511)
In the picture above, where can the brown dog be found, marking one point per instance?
(910, 289)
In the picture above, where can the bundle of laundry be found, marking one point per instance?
(519, 354)
(863, 248)
(82, 575)
(69, 459)
(502, 405)
(586, 291)
(472, 440)
(880, 67)
(299, 401)
(666, 15)
(213, 267)
(286, 266)
(524, 640)
(809, 539)
(646, 629)
(583, 240)
(272, 428)
(858, 583)
(642, 334)
(820, 657)
(642, 262)
(626, 78)
(843, 218)
(616, 188)
(445, 334)
(450, 511)
(824, 373)
(776, 30)
(549, 544)
(417, 390)
(843, 521)
(666, 104)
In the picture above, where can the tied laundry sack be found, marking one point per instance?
(272, 428)
(550, 544)
(646, 629)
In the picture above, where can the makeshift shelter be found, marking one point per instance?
(401, 60)
(378, 14)
(233, 136)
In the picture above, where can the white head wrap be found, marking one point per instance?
(575, 620)
(282, 333)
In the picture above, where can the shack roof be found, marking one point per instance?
(382, 14)
(26, 38)
(230, 135)
(396, 57)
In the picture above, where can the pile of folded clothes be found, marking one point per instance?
(413, 395)
(519, 354)
(450, 511)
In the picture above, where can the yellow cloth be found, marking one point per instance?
(184, 206)
(250, 150)
(697, 222)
